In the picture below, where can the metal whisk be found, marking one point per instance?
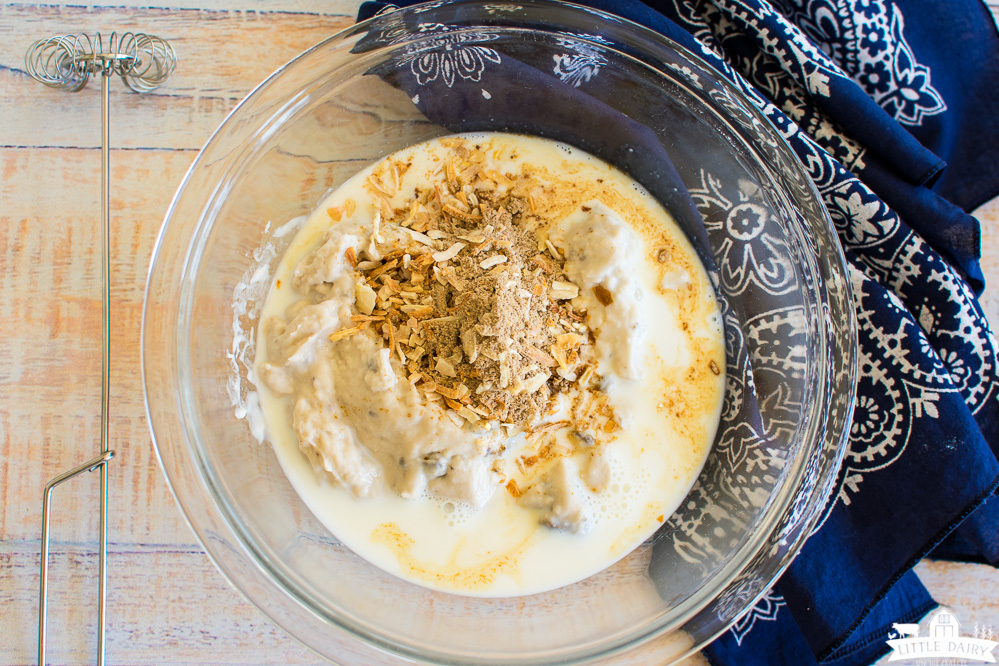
(143, 62)
(66, 62)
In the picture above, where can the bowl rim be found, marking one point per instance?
(191, 256)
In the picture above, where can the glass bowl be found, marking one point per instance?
(607, 86)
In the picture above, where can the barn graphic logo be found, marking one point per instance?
(944, 641)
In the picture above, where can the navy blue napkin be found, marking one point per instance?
(883, 103)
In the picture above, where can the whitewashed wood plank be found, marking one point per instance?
(50, 323)
(970, 590)
(221, 57)
(185, 613)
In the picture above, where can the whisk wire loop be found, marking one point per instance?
(51, 61)
(144, 62)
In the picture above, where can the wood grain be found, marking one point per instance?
(221, 56)
(167, 603)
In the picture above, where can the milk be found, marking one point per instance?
(669, 412)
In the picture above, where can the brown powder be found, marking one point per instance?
(476, 307)
(500, 309)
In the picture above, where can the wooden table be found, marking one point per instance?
(167, 603)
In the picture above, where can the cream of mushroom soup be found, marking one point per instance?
(491, 364)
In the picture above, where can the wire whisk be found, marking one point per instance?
(66, 62)
(144, 62)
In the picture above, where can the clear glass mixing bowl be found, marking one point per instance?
(765, 238)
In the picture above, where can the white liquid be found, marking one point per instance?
(670, 413)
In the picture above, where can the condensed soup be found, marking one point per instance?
(491, 364)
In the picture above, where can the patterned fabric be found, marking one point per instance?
(768, 634)
(886, 128)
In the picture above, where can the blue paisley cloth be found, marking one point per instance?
(888, 105)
